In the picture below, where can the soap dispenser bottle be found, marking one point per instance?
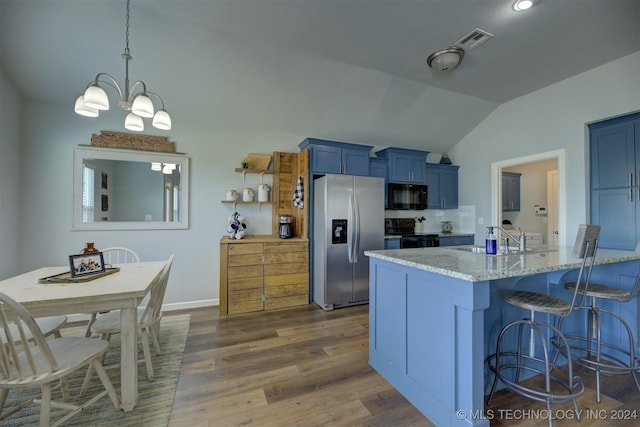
(490, 243)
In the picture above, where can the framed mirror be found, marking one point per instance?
(116, 189)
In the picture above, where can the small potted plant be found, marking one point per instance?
(245, 163)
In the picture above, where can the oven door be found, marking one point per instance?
(420, 241)
(406, 196)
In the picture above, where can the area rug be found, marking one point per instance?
(155, 398)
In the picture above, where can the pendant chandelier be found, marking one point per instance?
(135, 99)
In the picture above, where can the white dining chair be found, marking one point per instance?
(113, 255)
(149, 318)
(49, 325)
(119, 255)
(29, 360)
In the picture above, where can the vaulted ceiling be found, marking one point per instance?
(51, 49)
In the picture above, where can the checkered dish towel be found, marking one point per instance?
(298, 194)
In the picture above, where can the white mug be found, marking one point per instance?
(232, 194)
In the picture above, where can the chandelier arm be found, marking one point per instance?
(110, 81)
(159, 97)
(133, 94)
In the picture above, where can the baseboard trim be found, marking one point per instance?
(81, 317)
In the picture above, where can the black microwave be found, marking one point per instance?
(406, 196)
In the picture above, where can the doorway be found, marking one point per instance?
(558, 234)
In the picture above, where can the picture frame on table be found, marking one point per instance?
(83, 264)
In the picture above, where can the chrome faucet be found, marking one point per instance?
(521, 240)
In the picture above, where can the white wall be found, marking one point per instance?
(10, 107)
(549, 119)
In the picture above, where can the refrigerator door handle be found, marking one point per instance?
(350, 226)
(356, 227)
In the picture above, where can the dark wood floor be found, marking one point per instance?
(307, 367)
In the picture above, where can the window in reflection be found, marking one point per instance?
(88, 204)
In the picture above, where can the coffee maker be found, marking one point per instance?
(286, 228)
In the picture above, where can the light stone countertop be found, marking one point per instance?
(477, 267)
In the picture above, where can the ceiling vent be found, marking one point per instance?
(474, 39)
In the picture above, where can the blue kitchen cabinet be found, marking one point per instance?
(456, 240)
(392, 243)
(403, 165)
(378, 168)
(510, 191)
(614, 147)
(333, 157)
(442, 182)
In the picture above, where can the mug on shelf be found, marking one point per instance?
(232, 195)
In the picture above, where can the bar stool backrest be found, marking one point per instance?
(585, 248)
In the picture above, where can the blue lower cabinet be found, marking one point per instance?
(456, 240)
(393, 243)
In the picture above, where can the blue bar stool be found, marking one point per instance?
(590, 350)
(507, 366)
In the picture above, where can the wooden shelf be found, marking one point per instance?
(254, 171)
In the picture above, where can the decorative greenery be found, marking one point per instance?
(246, 164)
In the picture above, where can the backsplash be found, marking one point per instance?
(462, 219)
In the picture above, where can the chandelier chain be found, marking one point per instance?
(127, 29)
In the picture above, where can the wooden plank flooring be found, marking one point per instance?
(306, 367)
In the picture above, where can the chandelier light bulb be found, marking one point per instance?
(162, 120)
(134, 123)
(142, 106)
(96, 97)
(83, 110)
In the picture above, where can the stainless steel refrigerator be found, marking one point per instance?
(348, 219)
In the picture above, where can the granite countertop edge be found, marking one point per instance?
(478, 267)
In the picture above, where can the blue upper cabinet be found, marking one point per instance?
(510, 191)
(614, 147)
(613, 155)
(337, 157)
(442, 182)
(403, 165)
(378, 167)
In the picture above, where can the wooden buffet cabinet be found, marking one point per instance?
(264, 272)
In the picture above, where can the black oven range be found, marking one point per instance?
(405, 228)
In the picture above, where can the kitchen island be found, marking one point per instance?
(435, 314)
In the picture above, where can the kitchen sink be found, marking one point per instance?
(512, 250)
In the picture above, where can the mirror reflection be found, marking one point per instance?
(121, 189)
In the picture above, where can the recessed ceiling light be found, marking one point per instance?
(521, 5)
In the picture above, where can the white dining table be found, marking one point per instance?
(123, 290)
